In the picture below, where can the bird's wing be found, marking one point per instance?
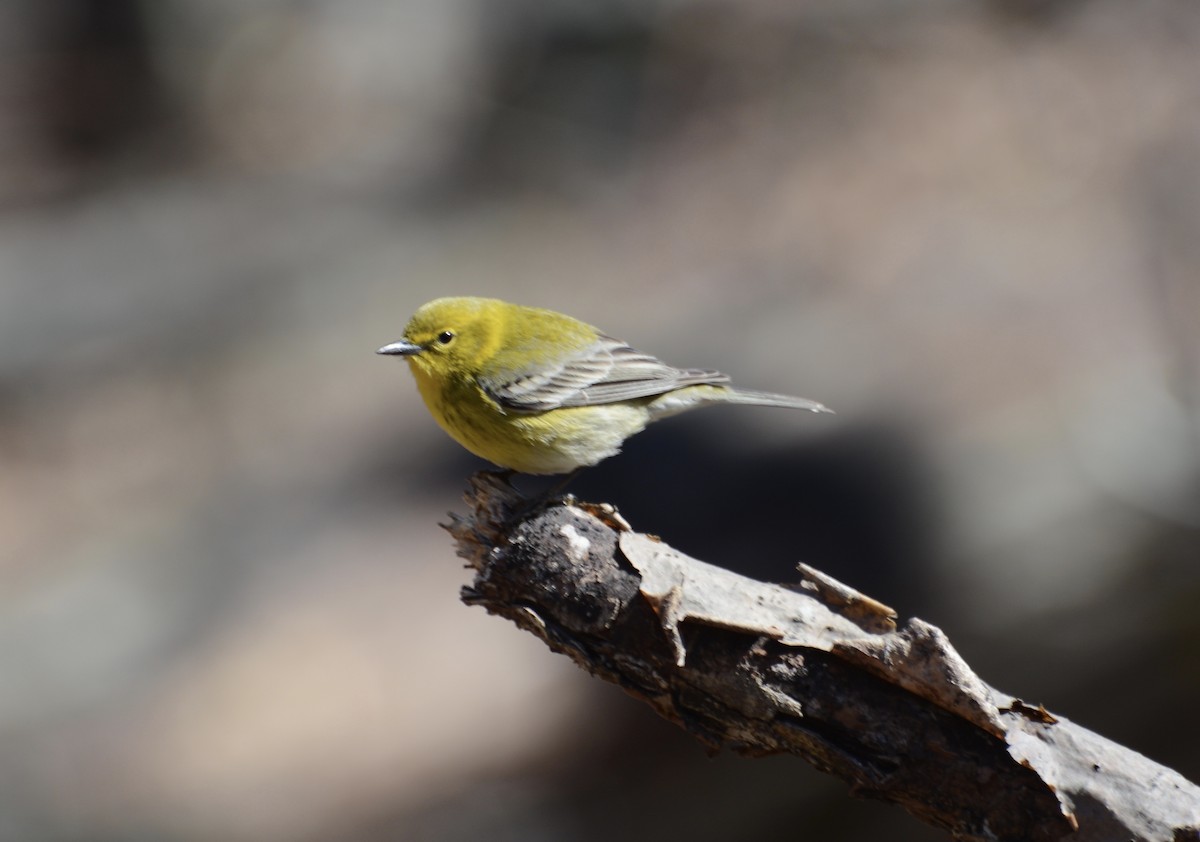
(606, 371)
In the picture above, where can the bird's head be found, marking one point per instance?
(449, 336)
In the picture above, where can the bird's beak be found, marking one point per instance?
(403, 348)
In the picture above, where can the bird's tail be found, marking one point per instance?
(706, 394)
(770, 399)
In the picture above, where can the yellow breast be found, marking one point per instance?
(553, 442)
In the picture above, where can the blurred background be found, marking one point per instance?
(227, 611)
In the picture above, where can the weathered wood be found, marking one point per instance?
(817, 670)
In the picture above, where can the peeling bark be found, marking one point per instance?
(817, 670)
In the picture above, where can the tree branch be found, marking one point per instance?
(817, 670)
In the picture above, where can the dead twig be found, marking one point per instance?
(818, 670)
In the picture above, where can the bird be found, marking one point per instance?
(539, 392)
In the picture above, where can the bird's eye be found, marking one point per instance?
(445, 337)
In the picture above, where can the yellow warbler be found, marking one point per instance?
(542, 393)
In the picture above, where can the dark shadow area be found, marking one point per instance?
(853, 502)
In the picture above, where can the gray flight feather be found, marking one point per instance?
(607, 371)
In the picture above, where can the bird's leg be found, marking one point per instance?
(557, 489)
(532, 504)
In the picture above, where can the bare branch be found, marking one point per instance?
(818, 670)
